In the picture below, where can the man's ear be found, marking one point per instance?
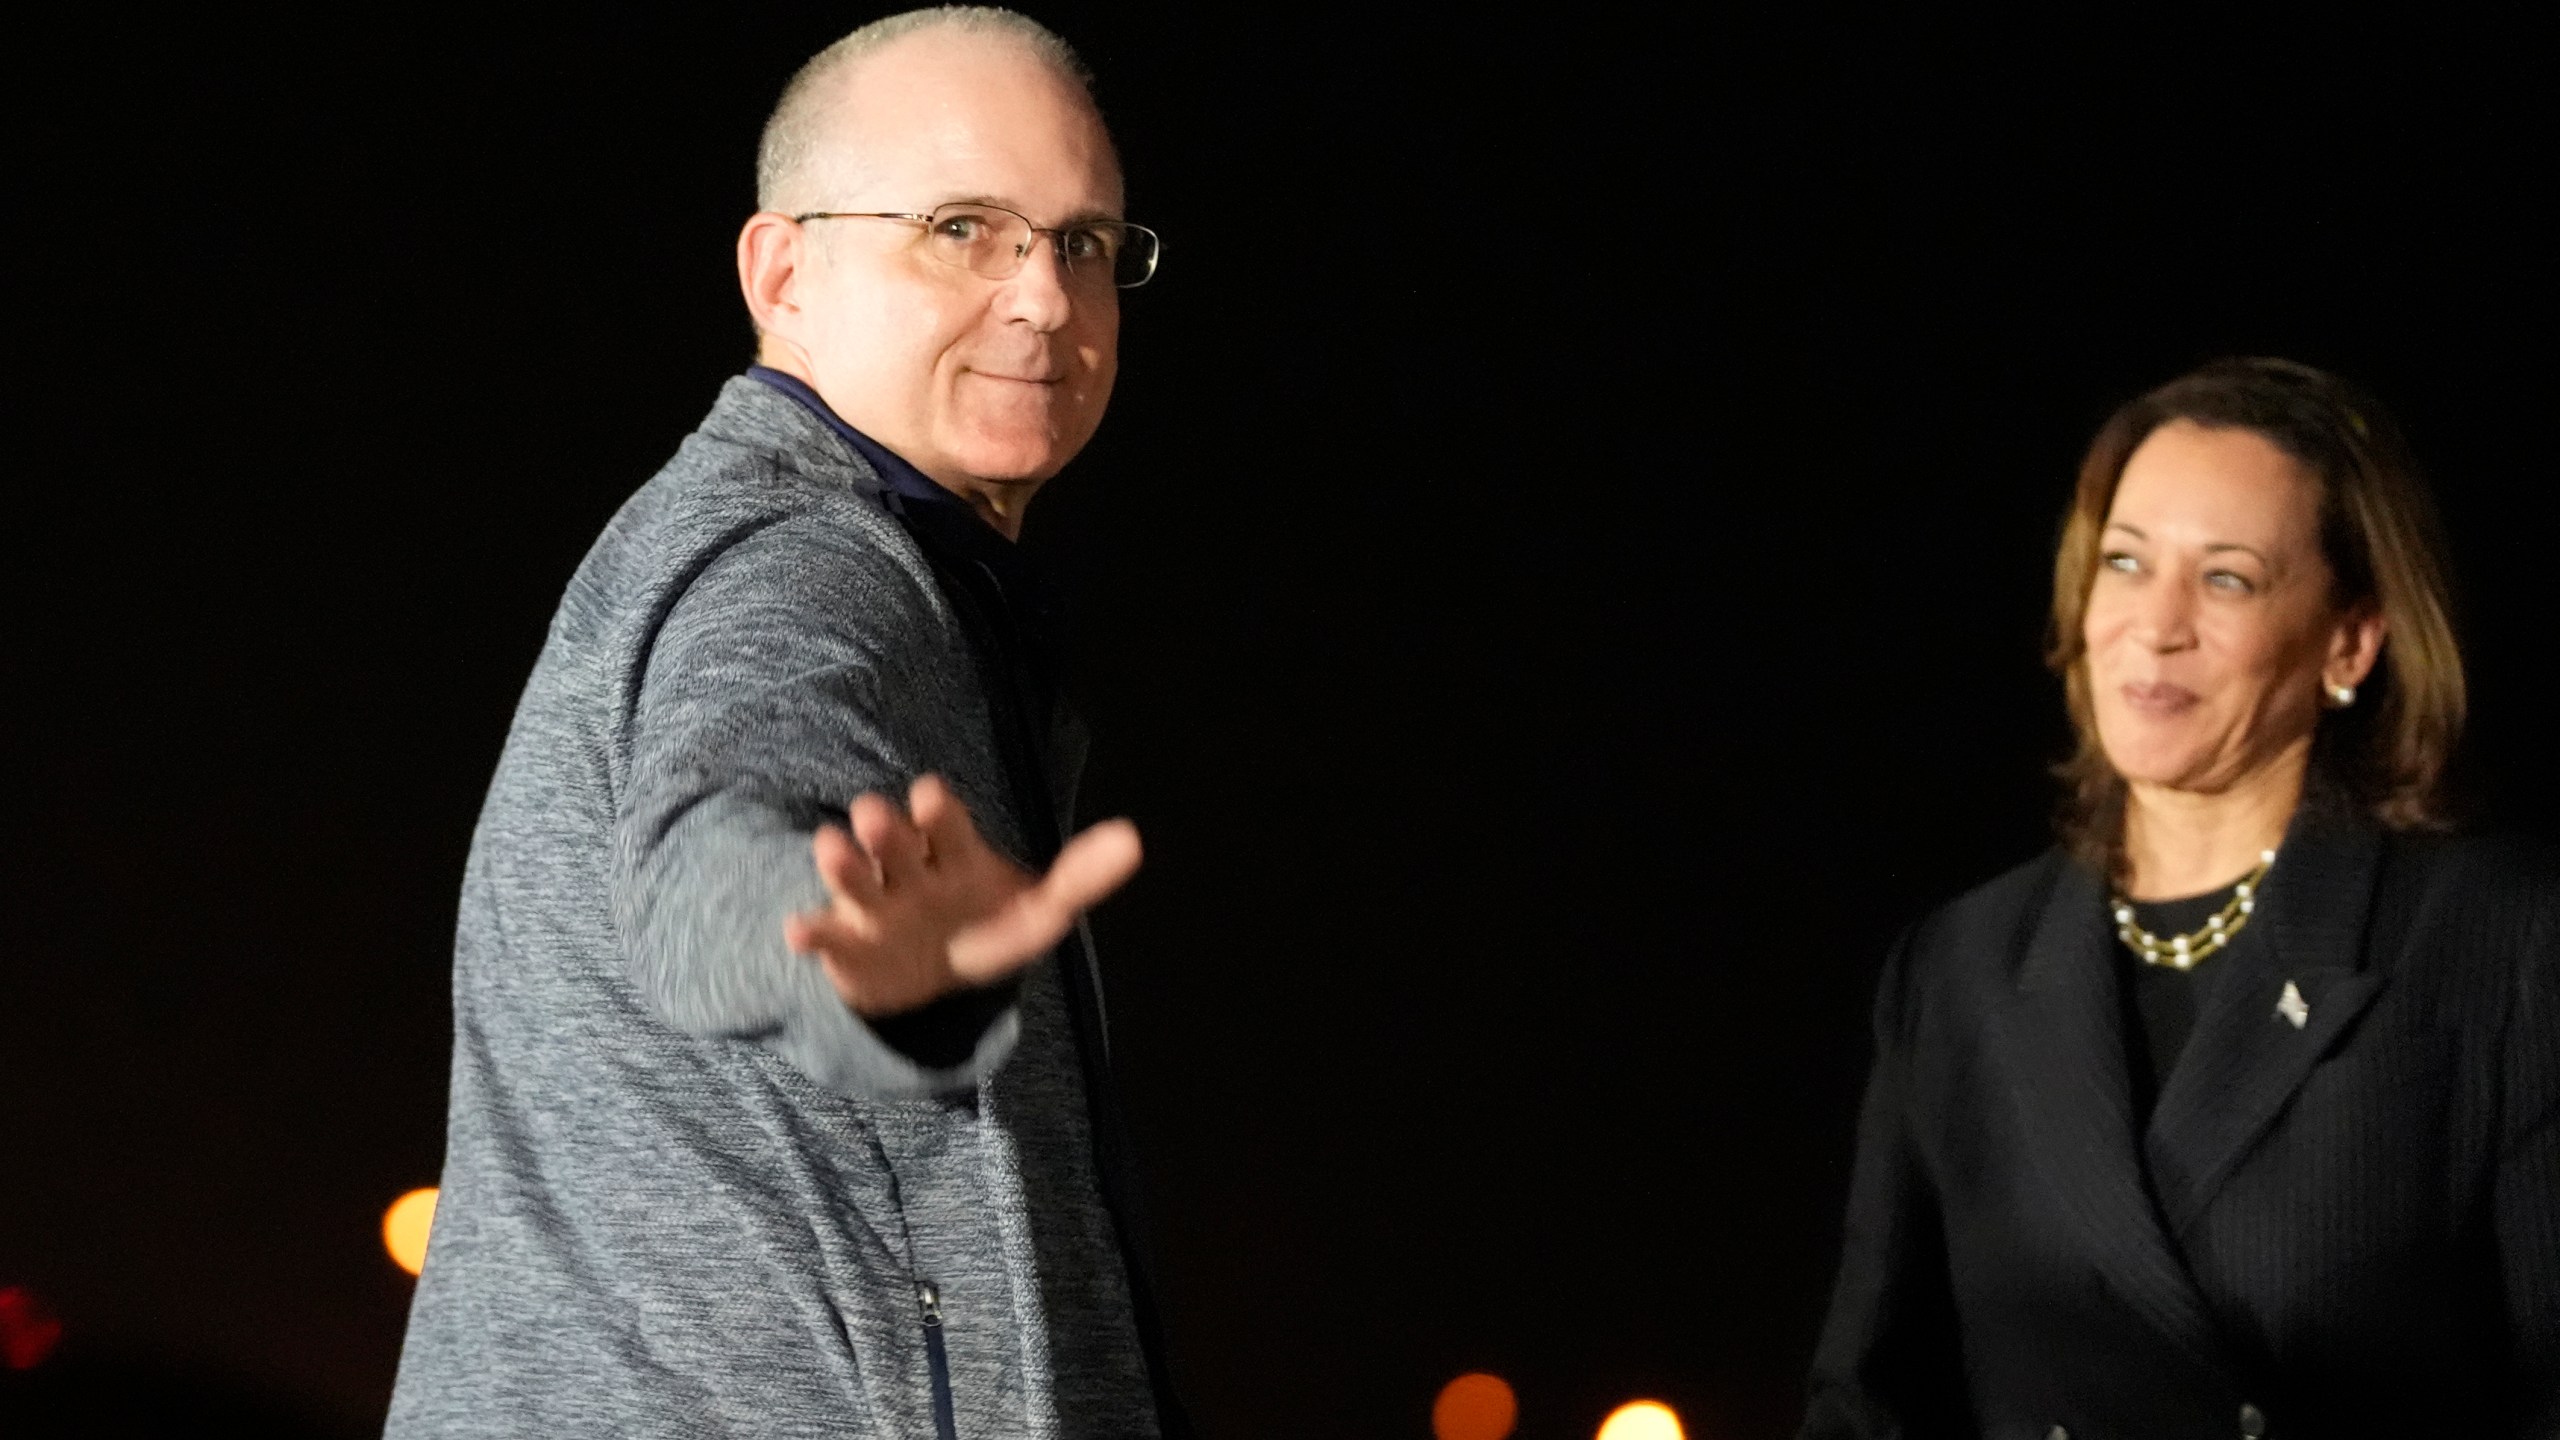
(771, 250)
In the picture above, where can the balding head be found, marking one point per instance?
(806, 150)
(988, 371)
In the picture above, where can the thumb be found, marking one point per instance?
(1093, 864)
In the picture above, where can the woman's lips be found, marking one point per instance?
(2157, 697)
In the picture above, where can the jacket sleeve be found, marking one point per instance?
(2526, 1199)
(1888, 1365)
(766, 700)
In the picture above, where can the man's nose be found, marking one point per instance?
(1040, 293)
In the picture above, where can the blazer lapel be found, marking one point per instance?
(2062, 1036)
(2246, 1056)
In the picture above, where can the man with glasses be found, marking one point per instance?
(781, 1103)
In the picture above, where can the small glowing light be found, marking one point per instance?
(1474, 1406)
(28, 1330)
(1642, 1420)
(405, 1226)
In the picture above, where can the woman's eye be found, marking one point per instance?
(2121, 563)
(2230, 582)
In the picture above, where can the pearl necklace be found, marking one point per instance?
(2183, 952)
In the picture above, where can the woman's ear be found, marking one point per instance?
(2354, 646)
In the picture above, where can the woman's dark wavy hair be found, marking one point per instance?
(2386, 755)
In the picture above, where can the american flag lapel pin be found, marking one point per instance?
(2292, 1006)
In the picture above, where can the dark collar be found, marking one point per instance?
(903, 480)
(941, 521)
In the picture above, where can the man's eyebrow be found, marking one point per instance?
(1082, 217)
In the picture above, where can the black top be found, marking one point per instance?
(2343, 1218)
(2160, 1000)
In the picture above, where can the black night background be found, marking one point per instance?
(1560, 585)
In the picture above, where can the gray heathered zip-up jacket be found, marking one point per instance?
(686, 1191)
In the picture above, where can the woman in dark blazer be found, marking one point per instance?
(2238, 1113)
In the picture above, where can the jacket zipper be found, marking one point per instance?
(929, 1300)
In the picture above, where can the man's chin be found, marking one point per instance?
(1011, 460)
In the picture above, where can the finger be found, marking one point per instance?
(1021, 931)
(1091, 866)
(895, 846)
(837, 950)
(800, 932)
(949, 832)
(848, 873)
(822, 934)
(1096, 862)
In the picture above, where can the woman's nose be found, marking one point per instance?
(2165, 615)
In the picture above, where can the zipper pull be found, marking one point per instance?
(929, 1300)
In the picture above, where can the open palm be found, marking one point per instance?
(919, 905)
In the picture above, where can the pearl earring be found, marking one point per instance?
(2342, 696)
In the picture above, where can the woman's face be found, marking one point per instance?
(2211, 630)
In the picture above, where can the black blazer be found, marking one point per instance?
(2347, 1228)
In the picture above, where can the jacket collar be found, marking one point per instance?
(898, 477)
(2060, 1038)
(2062, 1032)
(2246, 1057)
(779, 409)
(757, 416)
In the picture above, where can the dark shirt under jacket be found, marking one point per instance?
(2346, 1228)
(2161, 1000)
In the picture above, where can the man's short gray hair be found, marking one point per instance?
(795, 134)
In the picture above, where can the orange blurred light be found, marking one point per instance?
(1474, 1407)
(405, 1226)
(1642, 1420)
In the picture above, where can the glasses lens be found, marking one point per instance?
(993, 242)
(977, 238)
(1133, 260)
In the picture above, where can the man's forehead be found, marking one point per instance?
(975, 118)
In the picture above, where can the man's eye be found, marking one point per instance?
(1091, 243)
(960, 229)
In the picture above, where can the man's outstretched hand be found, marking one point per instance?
(919, 905)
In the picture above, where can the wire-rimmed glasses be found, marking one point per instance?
(992, 241)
